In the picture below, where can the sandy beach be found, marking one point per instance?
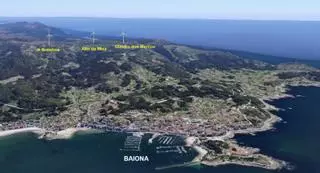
(35, 130)
(64, 134)
(68, 133)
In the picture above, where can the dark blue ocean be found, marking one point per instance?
(296, 140)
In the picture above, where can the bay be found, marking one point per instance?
(295, 140)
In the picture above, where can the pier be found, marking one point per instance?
(171, 149)
(178, 165)
(167, 140)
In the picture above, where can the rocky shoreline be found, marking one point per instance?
(271, 164)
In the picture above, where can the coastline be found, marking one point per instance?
(273, 164)
(190, 141)
(269, 123)
(48, 135)
(68, 133)
(34, 130)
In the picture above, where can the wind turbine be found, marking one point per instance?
(49, 36)
(93, 37)
(123, 34)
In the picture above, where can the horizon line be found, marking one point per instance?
(164, 18)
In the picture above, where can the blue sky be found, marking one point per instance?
(204, 9)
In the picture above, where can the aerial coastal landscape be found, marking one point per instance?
(159, 86)
(141, 86)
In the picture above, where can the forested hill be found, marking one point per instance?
(168, 79)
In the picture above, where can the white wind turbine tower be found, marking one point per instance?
(123, 34)
(93, 37)
(49, 36)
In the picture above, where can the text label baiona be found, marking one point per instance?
(136, 159)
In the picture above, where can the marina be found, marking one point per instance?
(171, 149)
(132, 143)
(167, 140)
